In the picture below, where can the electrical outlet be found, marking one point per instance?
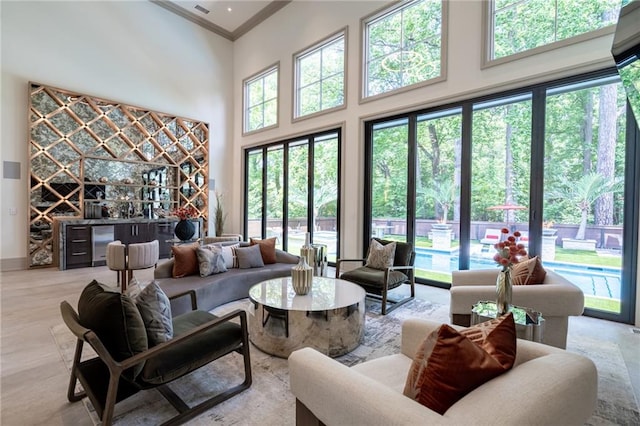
(13, 211)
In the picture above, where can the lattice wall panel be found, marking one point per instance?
(66, 128)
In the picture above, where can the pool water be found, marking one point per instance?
(593, 281)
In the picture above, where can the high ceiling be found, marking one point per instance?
(227, 18)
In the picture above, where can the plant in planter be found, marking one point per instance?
(219, 215)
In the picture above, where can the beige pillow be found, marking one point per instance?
(528, 272)
(381, 256)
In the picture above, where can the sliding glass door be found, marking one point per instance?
(553, 161)
(291, 188)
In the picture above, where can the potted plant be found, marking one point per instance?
(219, 215)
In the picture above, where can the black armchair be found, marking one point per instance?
(378, 282)
(125, 366)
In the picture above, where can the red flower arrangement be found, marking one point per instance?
(184, 213)
(509, 252)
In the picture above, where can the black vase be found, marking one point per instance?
(184, 230)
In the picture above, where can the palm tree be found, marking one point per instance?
(444, 194)
(585, 192)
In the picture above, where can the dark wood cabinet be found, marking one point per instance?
(130, 233)
(78, 246)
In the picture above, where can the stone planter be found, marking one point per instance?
(573, 244)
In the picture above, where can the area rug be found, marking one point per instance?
(269, 401)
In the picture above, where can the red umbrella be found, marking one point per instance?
(507, 207)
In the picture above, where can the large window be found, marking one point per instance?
(521, 25)
(320, 76)
(261, 100)
(404, 46)
(551, 161)
(291, 188)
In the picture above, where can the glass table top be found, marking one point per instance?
(326, 293)
(521, 315)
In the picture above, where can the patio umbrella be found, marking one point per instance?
(507, 208)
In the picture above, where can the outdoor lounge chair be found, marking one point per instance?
(491, 236)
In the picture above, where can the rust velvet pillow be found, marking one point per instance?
(528, 272)
(449, 364)
(185, 260)
(267, 249)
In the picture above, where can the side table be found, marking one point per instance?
(529, 323)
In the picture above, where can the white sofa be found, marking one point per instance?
(556, 299)
(546, 386)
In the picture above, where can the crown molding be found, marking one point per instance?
(256, 19)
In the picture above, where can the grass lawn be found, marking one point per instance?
(602, 304)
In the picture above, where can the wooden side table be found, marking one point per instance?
(529, 323)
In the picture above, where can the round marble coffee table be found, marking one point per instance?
(330, 318)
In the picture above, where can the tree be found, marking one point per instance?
(584, 192)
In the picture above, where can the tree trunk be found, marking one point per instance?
(508, 170)
(583, 224)
(603, 210)
(587, 133)
(457, 153)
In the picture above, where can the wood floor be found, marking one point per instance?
(34, 379)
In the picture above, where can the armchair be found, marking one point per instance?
(378, 282)
(546, 386)
(126, 365)
(555, 298)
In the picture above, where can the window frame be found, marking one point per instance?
(293, 140)
(389, 10)
(319, 47)
(487, 47)
(260, 75)
(630, 264)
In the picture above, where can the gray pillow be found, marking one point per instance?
(249, 257)
(155, 309)
(210, 260)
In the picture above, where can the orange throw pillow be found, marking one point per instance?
(449, 364)
(267, 249)
(185, 260)
(528, 272)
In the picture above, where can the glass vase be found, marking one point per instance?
(503, 291)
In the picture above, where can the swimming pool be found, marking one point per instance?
(592, 280)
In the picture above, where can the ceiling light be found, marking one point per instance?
(228, 9)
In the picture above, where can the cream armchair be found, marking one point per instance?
(556, 299)
(546, 386)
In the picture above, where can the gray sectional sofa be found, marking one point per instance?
(215, 290)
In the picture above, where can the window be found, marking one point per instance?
(320, 76)
(291, 188)
(403, 46)
(261, 100)
(521, 25)
(553, 161)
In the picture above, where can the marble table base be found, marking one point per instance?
(333, 332)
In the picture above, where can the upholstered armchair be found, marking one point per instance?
(555, 298)
(378, 282)
(126, 259)
(129, 360)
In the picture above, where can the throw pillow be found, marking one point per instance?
(210, 260)
(116, 320)
(155, 309)
(267, 249)
(249, 257)
(229, 256)
(528, 272)
(381, 256)
(449, 364)
(185, 260)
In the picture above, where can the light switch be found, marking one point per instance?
(13, 211)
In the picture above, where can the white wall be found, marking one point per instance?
(132, 52)
(301, 24)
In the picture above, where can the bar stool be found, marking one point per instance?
(126, 259)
